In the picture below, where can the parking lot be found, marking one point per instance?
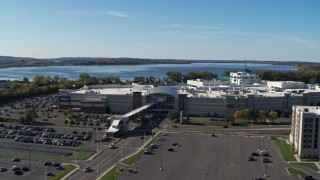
(207, 157)
(38, 170)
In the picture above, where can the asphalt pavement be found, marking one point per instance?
(204, 157)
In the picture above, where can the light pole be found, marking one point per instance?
(75, 156)
(177, 136)
(259, 141)
(45, 172)
(97, 168)
(121, 151)
(161, 159)
(29, 163)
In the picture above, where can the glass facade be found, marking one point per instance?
(161, 102)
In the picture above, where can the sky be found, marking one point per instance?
(277, 30)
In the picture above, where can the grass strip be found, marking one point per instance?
(296, 172)
(310, 165)
(60, 175)
(130, 160)
(285, 150)
(113, 174)
(81, 155)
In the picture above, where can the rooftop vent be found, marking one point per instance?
(306, 110)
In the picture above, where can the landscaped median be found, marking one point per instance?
(133, 158)
(296, 172)
(114, 172)
(310, 165)
(68, 169)
(285, 150)
(81, 155)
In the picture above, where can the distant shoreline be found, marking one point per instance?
(16, 62)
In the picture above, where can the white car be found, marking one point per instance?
(264, 153)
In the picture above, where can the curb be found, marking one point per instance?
(71, 172)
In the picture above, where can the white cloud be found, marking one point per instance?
(146, 46)
(206, 27)
(306, 42)
(116, 14)
(95, 13)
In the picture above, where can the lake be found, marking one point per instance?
(128, 72)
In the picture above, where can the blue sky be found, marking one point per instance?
(179, 29)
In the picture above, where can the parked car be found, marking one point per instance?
(264, 152)
(2, 169)
(57, 164)
(170, 149)
(309, 177)
(25, 169)
(50, 174)
(18, 172)
(266, 160)
(15, 168)
(15, 159)
(60, 168)
(255, 154)
(48, 163)
(251, 158)
(174, 144)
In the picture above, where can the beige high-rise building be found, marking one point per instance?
(304, 136)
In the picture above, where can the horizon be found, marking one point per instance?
(249, 30)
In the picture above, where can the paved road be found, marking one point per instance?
(205, 158)
(256, 129)
(108, 157)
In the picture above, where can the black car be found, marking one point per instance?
(251, 158)
(47, 163)
(60, 168)
(50, 174)
(18, 172)
(170, 149)
(25, 169)
(255, 154)
(15, 159)
(57, 164)
(174, 144)
(309, 177)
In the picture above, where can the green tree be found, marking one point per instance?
(174, 76)
(25, 80)
(237, 115)
(66, 122)
(262, 115)
(273, 115)
(72, 122)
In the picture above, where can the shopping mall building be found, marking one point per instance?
(214, 101)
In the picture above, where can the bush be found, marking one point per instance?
(84, 123)
(72, 122)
